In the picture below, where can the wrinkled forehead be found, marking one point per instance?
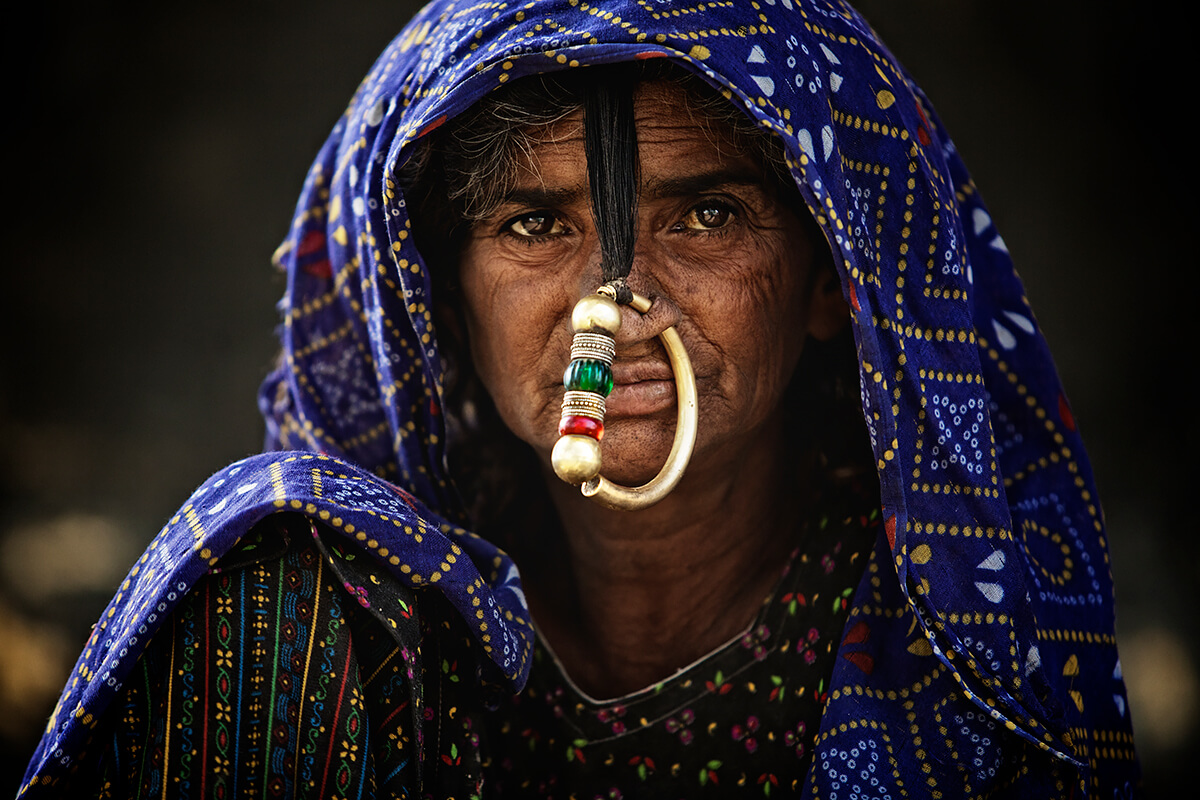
(671, 126)
(681, 102)
(514, 134)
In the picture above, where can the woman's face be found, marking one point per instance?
(717, 252)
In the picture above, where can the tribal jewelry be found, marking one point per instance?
(588, 380)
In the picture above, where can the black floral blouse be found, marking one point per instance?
(739, 721)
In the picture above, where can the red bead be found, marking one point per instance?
(582, 426)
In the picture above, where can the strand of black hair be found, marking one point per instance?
(610, 145)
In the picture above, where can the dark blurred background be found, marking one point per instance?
(155, 155)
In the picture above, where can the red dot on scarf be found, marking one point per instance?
(861, 660)
(432, 126)
(922, 133)
(858, 634)
(319, 269)
(1064, 412)
(311, 243)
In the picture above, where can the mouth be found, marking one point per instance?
(640, 388)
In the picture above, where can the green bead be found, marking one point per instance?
(586, 375)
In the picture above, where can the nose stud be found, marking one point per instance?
(596, 320)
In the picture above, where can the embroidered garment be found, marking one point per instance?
(740, 721)
(299, 668)
(260, 685)
(993, 621)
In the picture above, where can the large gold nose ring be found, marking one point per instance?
(588, 380)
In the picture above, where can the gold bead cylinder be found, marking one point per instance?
(594, 346)
(583, 404)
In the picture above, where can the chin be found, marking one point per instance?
(632, 474)
(635, 452)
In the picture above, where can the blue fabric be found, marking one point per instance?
(988, 616)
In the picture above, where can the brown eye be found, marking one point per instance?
(537, 223)
(708, 216)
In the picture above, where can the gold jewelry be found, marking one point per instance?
(588, 379)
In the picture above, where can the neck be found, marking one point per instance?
(643, 594)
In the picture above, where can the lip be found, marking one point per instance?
(628, 372)
(640, 388)
(640, 399)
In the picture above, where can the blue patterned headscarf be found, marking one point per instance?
(983, 630)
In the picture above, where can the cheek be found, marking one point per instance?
(781, 293)
(754, 325)
(512, 322)
(773, 318)
(757, 294)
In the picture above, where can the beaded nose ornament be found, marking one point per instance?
(588, 380)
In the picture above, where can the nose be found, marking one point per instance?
(643, 278)
(639, 329)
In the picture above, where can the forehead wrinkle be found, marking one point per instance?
(540, 142)
(700, 182)
(542, 146)
(664, 119)
(542, 196)
(533, 189)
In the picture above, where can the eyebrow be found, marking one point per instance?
(703, 182)
(543, 197)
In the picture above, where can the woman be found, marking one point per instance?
(775, 186)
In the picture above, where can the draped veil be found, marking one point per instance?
(988, 606)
